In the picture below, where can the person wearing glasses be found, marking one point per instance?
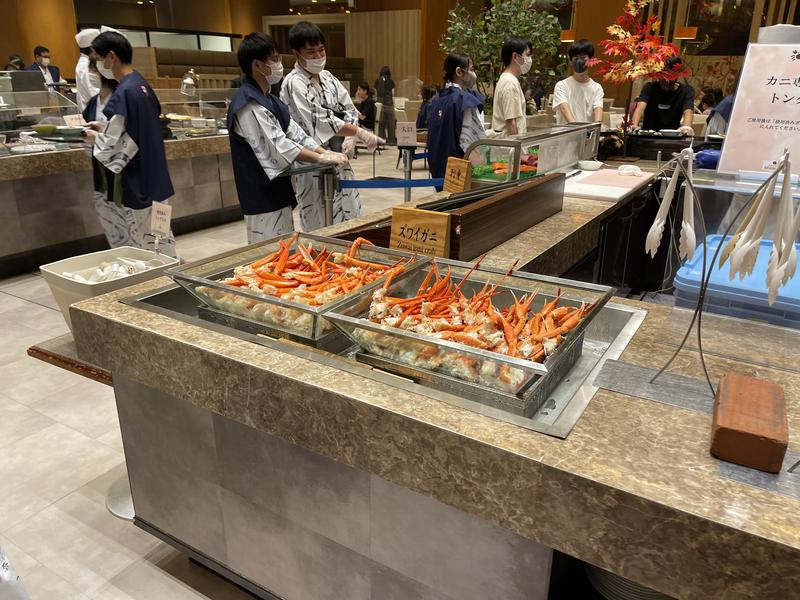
(322, 107)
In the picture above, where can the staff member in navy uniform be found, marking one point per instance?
(131, 142)
(453, 118)
(665, 104)
(41, 57)
(265, 141)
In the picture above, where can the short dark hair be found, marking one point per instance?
(708, 100)
(255, 46)
(453, 62)
(428, 92)
(304, 33)
(111, 41)
(672, 62)
(580, 47)
(39, 50)
(514, 45)
(365, 86)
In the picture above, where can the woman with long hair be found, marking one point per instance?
(384, 91)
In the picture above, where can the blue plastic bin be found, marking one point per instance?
(746, 298)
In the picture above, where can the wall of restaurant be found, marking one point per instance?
(591, 20)
(49, 23)
(383, 38)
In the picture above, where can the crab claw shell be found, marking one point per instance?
(654, 237)
(728, 248)
(737, 256)
(791, 265)
(688, 242)
(749, 258)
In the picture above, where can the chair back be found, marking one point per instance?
(412, 110)
(378, 114)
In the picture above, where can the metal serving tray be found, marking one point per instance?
(274, 316)
(520, 385)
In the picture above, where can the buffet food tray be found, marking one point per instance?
(519, 384)
(276, 317)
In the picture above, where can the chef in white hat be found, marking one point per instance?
(87, 84)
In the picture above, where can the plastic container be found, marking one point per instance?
(67, 291)
(746, 298)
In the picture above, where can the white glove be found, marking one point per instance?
(336, 158)
(686, 130)
(371, 140)
(491, 133)
(349, 146)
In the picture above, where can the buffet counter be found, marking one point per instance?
(632, 489)
(293, 470)
(46, 200)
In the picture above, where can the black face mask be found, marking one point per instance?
(579, 65)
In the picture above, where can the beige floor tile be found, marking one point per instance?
(15, 339)
(10, 302)
(34, 290)
(22, 562)
(112, 439)
(43, 584)
(96, 489)
(28, 380)
(46, 466)
(18, 421)
(12, 282)
(38, 318)
(166, 573)
(86, 406)
(79, 540)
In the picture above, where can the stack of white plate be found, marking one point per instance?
(614, 587)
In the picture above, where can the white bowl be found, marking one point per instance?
(589, 165)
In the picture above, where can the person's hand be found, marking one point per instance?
(97, 126)
(634, 128)
(371, 141)
(335, 158)
(90, 136)
(687, 130)
(349, 146)
(491, 133)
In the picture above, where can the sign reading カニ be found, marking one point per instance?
(766, 114)
(420, 231)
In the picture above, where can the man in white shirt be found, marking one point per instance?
(87, 84)
(508, 116)
(51, 73)
(578, 98)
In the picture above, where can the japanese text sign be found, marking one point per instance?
(420, 231)
(160, 219)
(766, 114)
(406, 134)
(457, 175)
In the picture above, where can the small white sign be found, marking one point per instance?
(406, 133)
(160, 219)
(74, 121)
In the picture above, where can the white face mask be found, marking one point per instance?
(276, 73)
(527, 61)
(105, 71)
(45, 62)
(315, 65)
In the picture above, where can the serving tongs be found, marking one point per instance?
(688, 239)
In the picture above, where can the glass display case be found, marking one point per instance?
(22, 110)
(536, 152)
(205, 103)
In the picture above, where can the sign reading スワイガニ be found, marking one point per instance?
(420, 231)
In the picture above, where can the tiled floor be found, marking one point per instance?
(60, 448)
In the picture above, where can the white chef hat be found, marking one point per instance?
(104, 28)
(85, 38)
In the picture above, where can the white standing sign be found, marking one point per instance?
(766, 114)
(160, 219)
(406, 134)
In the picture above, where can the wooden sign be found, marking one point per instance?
(406, 134)
(457, 175)
(425, 232)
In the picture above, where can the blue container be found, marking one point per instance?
(745, 298)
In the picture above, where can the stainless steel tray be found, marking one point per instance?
(427, 358)
(277, 317)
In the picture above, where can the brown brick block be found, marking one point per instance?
(749, 426)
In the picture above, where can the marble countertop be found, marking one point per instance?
(632, 489)
(78, 158)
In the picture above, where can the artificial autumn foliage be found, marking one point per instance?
(636, 50)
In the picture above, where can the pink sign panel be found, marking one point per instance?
(766, 114)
